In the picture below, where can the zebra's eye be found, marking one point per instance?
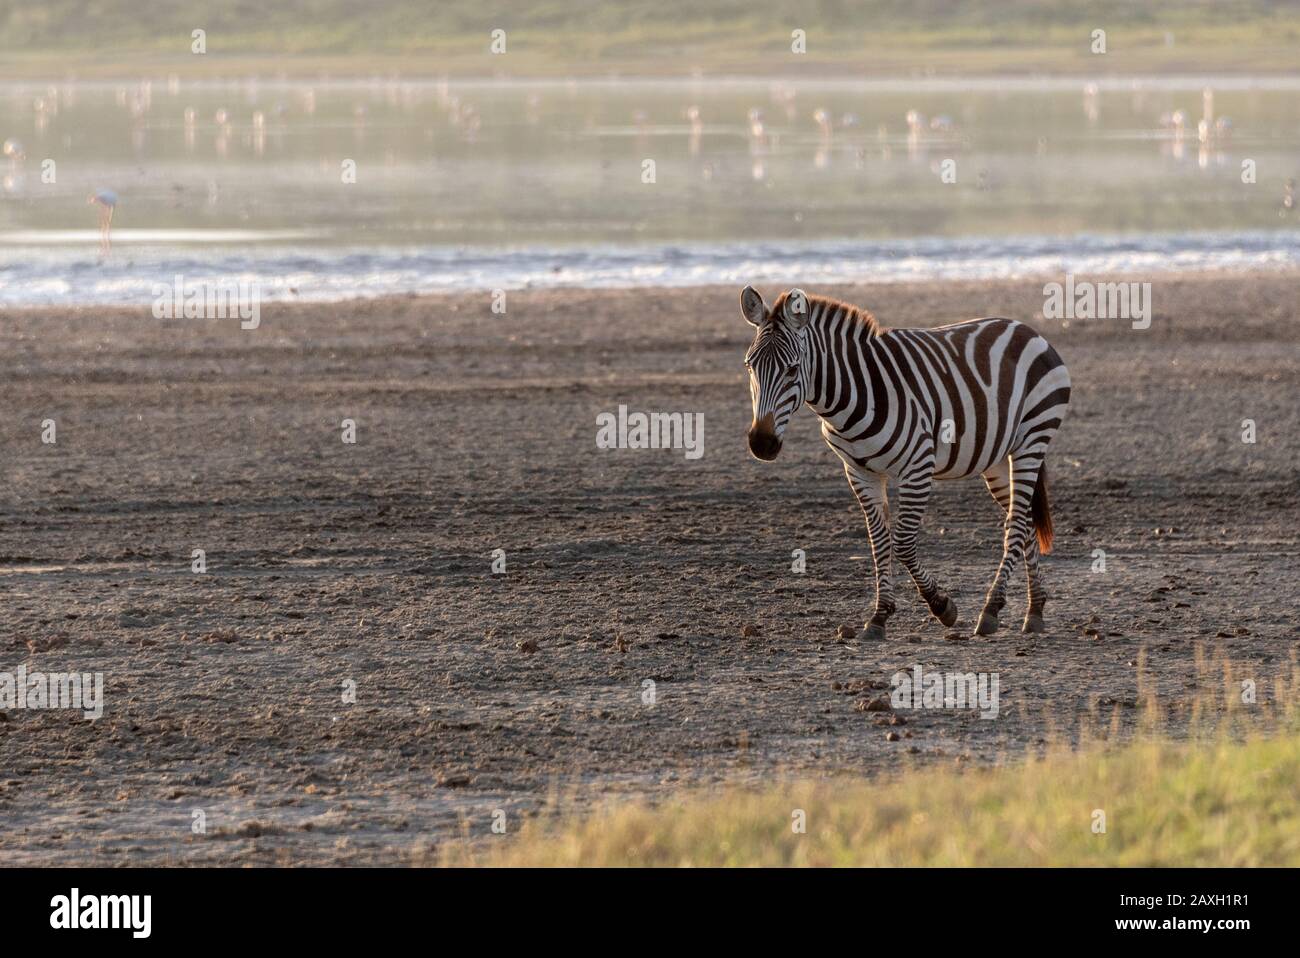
(791, 369)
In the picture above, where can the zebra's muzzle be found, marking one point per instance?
(763, 441)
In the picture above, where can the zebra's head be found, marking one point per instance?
(777, 377)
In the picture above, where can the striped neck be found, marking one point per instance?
(833, 329)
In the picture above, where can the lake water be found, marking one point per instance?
(504, 185)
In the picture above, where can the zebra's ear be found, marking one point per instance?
(795, 311)
(752, 306)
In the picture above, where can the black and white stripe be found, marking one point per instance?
(983, 397)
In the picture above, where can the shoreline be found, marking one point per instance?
(408, 300)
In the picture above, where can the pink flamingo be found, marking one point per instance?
(107, 202)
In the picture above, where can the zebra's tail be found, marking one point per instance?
(1042, 512)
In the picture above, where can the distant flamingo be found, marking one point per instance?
(107, 202)
(1175, 121)
(823, 120)
(915, 126)
(785, 97)
(1178, 121)
(13, 151)
(697, 128)
(1091, 108)
(13, 180)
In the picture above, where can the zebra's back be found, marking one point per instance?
(976, 391)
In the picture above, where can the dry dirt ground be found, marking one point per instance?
(371, 562)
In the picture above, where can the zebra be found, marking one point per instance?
(982, 397)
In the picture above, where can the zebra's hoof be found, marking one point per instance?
(872, 633)
(988, 624)
(1033, 623)
(948, 616)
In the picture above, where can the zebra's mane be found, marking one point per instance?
(831, 305)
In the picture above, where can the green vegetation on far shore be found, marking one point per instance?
(108, 38)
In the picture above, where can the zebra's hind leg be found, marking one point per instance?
(1037, 594)
(1024, 476)
(998, 479)
(913, 495)
(870, 490)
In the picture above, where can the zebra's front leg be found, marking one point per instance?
(870, 490)
(1016, 528)
(913, 496)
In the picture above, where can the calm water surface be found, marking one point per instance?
(505, 185)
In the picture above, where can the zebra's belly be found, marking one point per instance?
(875, 454)
(968, 463)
